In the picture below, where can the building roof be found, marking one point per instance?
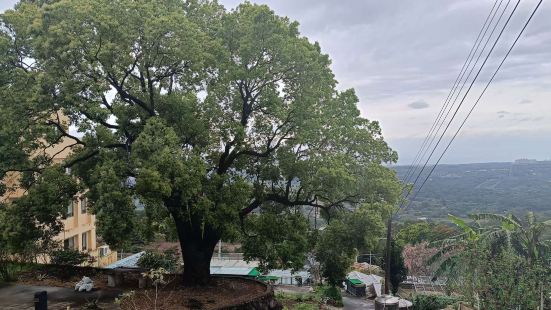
(288, 274)
(368, 279)
(235, 271)
(127, 262)
(238, 263)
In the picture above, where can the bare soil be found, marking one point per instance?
(62, 276)
(221, 293)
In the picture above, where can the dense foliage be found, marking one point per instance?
(167, 260)
(498, 262)
(416, 232)
(416, 259)
(28, 225)
(338, 244)
(398, 271)
(68, 257)
(433, 302)
(221, 121)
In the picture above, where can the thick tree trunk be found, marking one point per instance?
(197, 244)
(197, 255)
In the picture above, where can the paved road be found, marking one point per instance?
(16, 297)
(351, 303)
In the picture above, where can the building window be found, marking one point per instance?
(85, 241)
(83, 205)
(69, 243)
(70, 208)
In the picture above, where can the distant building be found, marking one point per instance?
(524, 161)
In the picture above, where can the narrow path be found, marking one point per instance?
(351, 303)
(19, 297)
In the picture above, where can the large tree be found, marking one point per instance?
(203, 115)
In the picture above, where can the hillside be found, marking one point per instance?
(484, 187)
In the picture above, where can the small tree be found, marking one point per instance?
(68, 257)
(398, 271)
(339, 242)
(416, 259)
(152, 260)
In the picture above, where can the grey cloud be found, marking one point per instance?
(420, 104)
(501, 114)
(518, 117)
(388, 48)
(525, 101)
(529, 119)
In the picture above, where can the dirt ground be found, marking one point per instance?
(45, 277)
(221, 293)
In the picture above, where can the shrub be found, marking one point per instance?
(305, 307)
(7, 272)
(328, 294)
(433, 302)
(68, 257)
(154, 260)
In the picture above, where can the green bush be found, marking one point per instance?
(433, 302)
(330, 293)
(305, 307)
(7, 272)
(153, 260)
(68, 257)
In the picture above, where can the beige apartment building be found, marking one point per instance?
(79, 228)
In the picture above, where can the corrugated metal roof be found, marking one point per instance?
(288, 274)
(127, 262)
(236, 271)
(368, 279)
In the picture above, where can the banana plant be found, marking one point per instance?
(526, 237)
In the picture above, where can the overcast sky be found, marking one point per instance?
(402, 58)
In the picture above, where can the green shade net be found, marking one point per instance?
(253, 273)
(355, 281)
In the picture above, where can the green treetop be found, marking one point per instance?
(204, 115)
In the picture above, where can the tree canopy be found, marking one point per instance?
(219, 119)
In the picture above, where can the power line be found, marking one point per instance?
(478, 100)
(410, 172)
(469, 88)
(456, 97)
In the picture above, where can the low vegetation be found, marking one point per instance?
(168, 260)
(321, 295)
(434, 302)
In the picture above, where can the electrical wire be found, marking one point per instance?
(477, 101)
(412, 168)
(459, 93)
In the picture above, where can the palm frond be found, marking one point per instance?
(506, 221)
(471, 233)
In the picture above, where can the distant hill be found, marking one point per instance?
(485, 187)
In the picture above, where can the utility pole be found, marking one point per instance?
(387, 254)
